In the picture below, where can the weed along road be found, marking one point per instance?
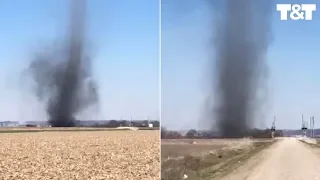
(287, 159)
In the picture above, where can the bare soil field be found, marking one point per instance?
(80, 155)
(206, 158)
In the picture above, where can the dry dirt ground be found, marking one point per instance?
(287, 159)
(205, 159)
(107, 155)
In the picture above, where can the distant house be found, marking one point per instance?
(139, 123)
(90, 123)
(9, 124)
(125, 123)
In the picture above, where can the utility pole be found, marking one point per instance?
(304, 128)
(312, 122)
(312, 126)
(310, 129)
(273, 127)
(307, 127)
(302, 122)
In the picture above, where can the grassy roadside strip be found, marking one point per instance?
(211, 166)
(310, 144)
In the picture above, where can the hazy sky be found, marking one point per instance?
(293, 61)
(124, 37)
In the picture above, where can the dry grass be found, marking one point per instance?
(80, 155)
(205, 159)
(174, 151)
(199, 147)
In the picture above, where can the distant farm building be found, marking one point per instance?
(36, 124)
(9, 124)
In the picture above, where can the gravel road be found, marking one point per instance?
(288, 159)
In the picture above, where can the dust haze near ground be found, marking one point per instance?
(62, 74)
(242, 40)
(277, 163)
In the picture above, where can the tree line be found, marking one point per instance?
(125, 123)
(194, 134)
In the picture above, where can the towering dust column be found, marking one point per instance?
(60, 111)
(242, 43)
(63, 78)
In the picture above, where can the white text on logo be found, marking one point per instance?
(297, 11)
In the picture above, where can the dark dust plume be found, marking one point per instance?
(242, 41)
(63, 77)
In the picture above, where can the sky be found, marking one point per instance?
(124, 43)
(293, 82)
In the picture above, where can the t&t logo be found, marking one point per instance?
(297, 11)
